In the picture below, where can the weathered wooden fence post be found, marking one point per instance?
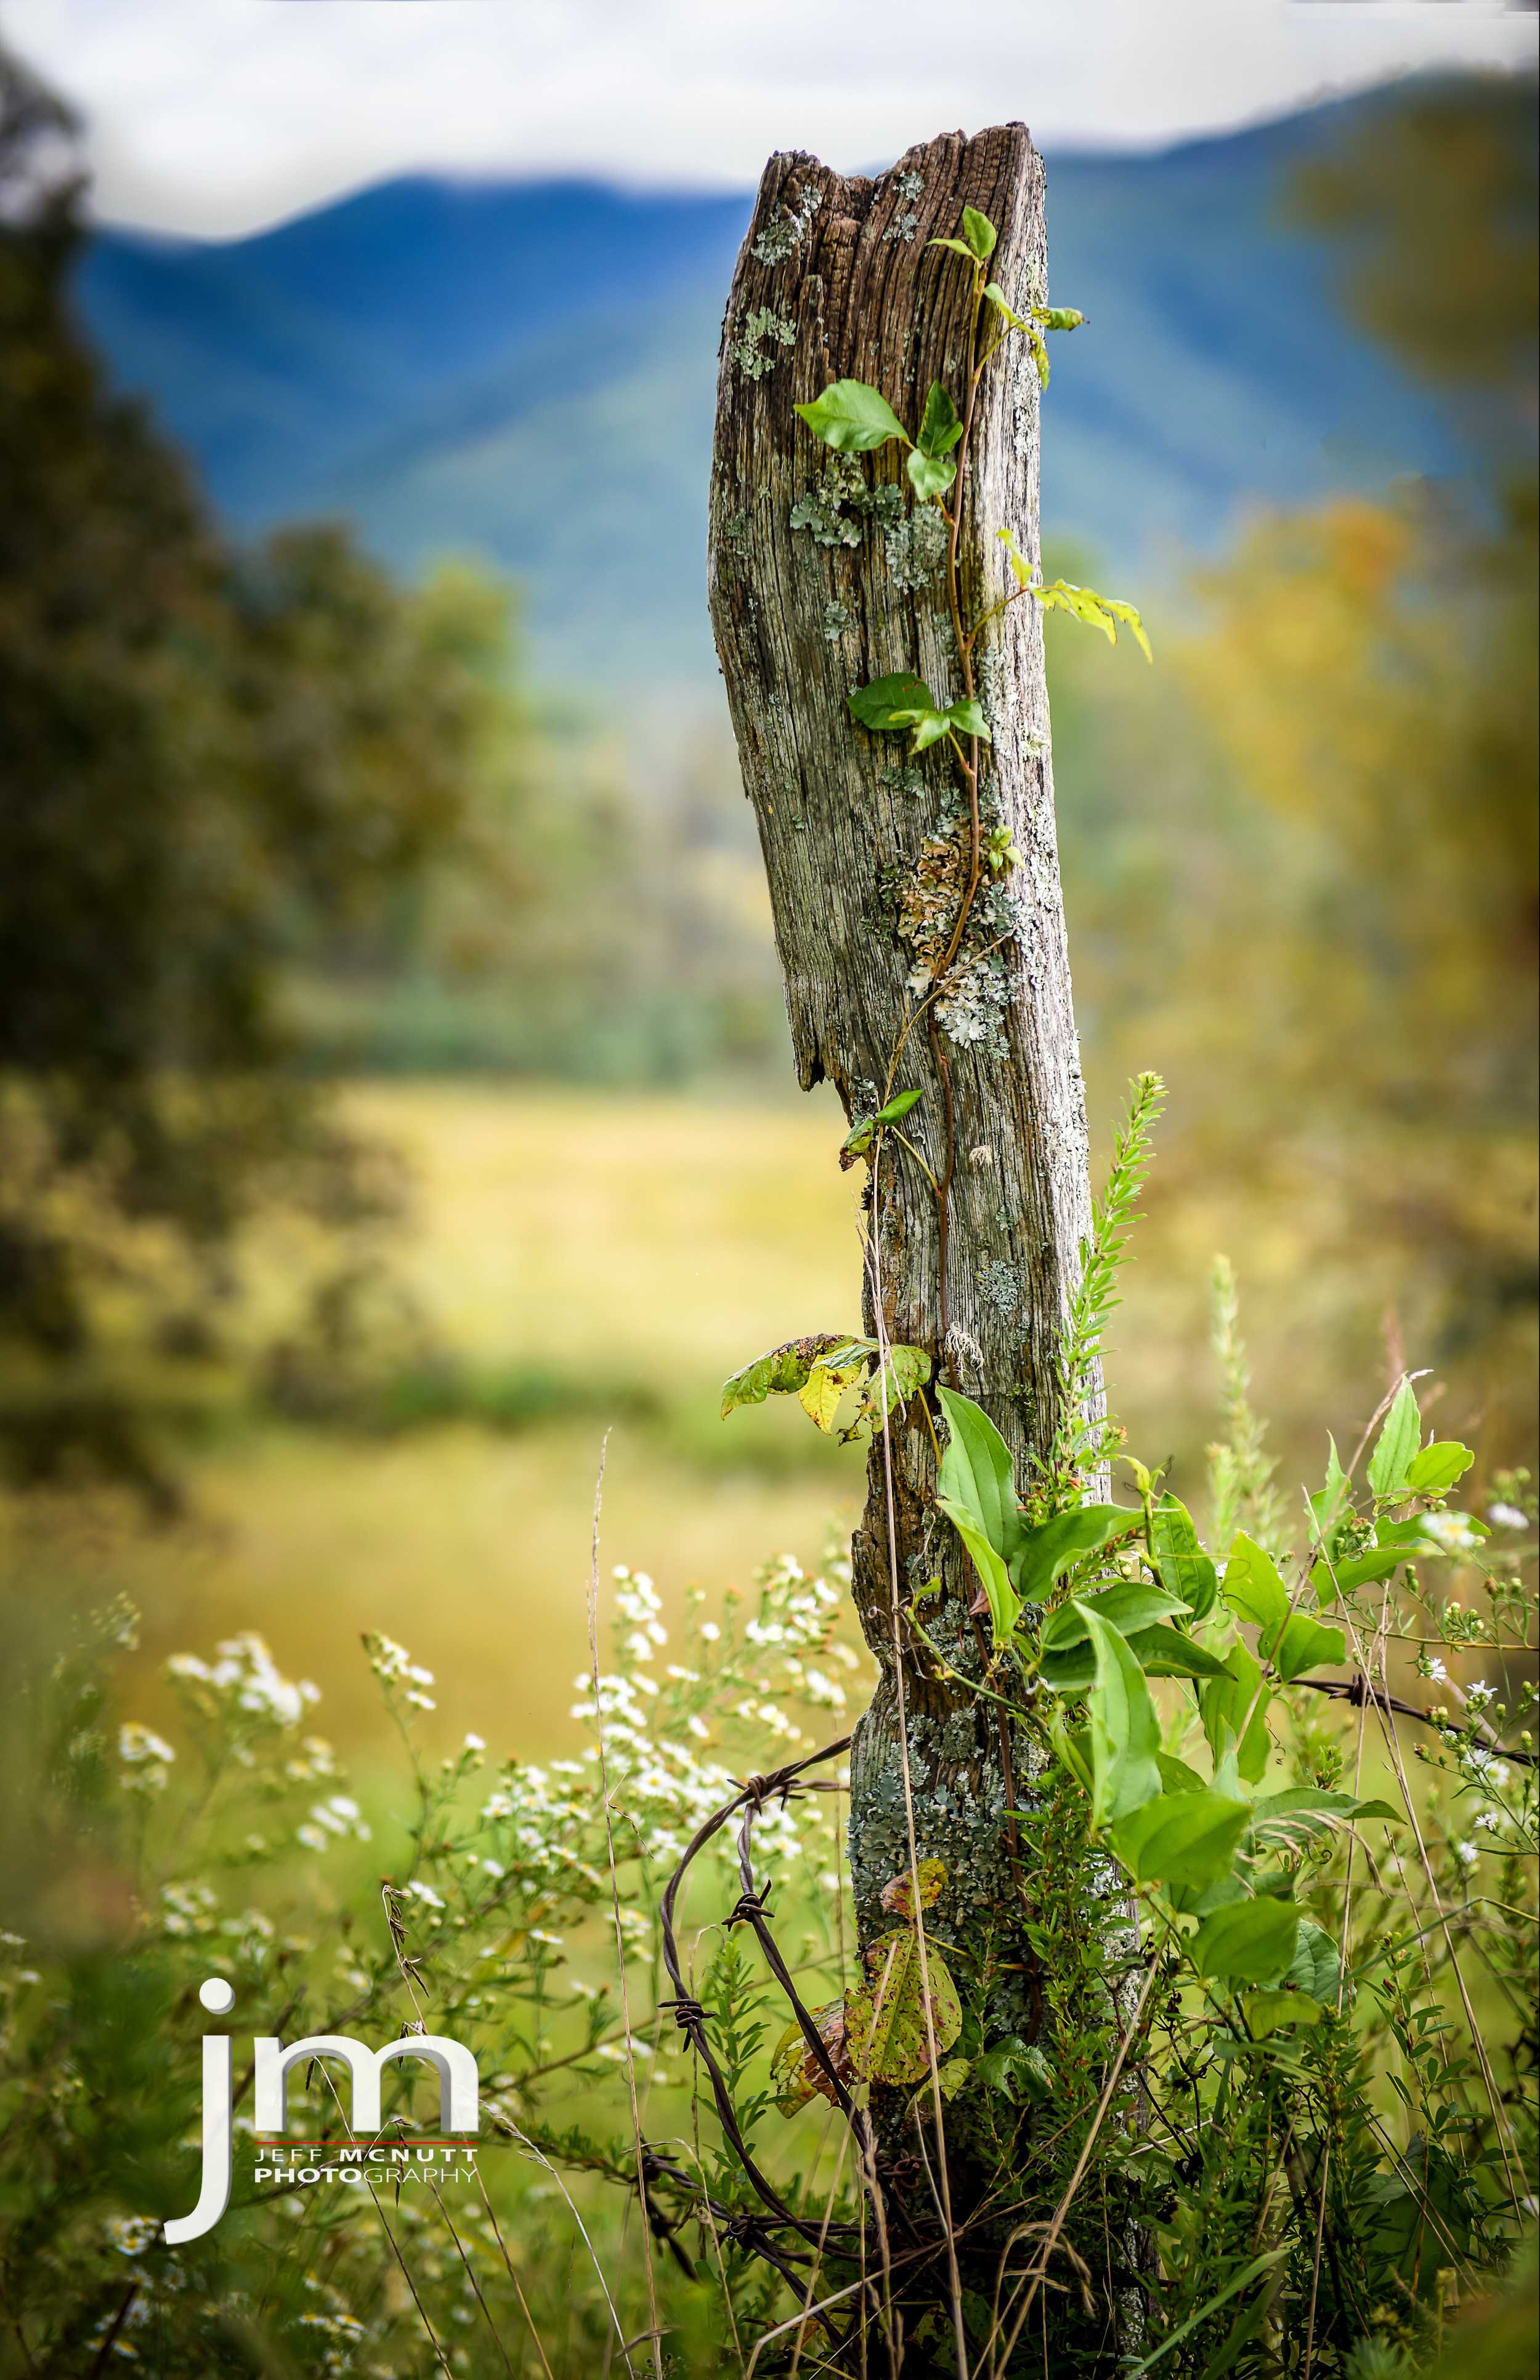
(823, 577)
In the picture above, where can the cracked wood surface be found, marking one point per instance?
(835, 280)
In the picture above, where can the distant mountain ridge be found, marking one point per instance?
(527, 372)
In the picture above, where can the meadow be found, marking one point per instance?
(596, 1262)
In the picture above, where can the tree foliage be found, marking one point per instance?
(212, 759)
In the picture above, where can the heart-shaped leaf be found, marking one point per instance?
(887, 2037)
(979, 233)
(853, 418)
(895, 703)
(1046, 1551)
(1306, 1644)
(1249, 1942)
(1435, 1469)
(1185, 1837)
(1254, 1589)
(939, 426)
(929, 475)
(1127, 1607)
(782, 1372)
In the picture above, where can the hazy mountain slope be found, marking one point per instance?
(527, 371)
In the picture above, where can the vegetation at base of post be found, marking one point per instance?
(1305, 2117)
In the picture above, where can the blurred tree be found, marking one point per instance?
(1432, 215)
(1317, 912)
(207, 760)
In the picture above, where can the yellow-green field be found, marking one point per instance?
(661, 1242)
(648, 1240)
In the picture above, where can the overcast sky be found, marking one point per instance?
(220, 116)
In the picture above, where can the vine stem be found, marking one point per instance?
(970, 771)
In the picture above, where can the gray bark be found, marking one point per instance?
(835, 280)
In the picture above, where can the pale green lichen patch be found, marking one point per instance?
(837, 618)
(1000, 1285)
(785, 229)
(842, 483)
(905, 225)
(916, 547)
(754, 349)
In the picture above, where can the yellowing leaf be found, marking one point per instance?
(886, 2033)
(821, 1390)
(898, 1895)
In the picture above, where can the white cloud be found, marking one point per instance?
(217, 117)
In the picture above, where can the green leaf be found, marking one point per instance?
(1059, 318)
(1102, 611)
(859, 1138)
(1127, 1607)
(1305, 1644)
(1329, 1579)
(1176, 1777)
(1254, 1589)
(852, 418)
(1069, 1673)
(1177, 1553)
(1169, 1653)
(1249, 1942)
(1125, 1732)
(1131, 619)
(1013, 2068)
(1183, 1837)
(939, 426)
(909, 1368)
(1396, 1445)
(1315, 1967)
(1022, 567)
(1288, 1819)
(958, 247)
(1266, 2012)
(1073, 1752)
(979, 233)
(1004, 1603)
(779, 1372)
(952, 2074)
(1224, 1703)
(976, 1472)
(888, 703)
(965, 716)
(1054, 1547)
(1330, 1507)
(1434, 1471)
(929, 475)
(998, 298)
(886, 2036)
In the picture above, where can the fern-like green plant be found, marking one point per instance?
(1085, 1435)
(1240, 1474)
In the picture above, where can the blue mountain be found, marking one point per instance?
(526, 372)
